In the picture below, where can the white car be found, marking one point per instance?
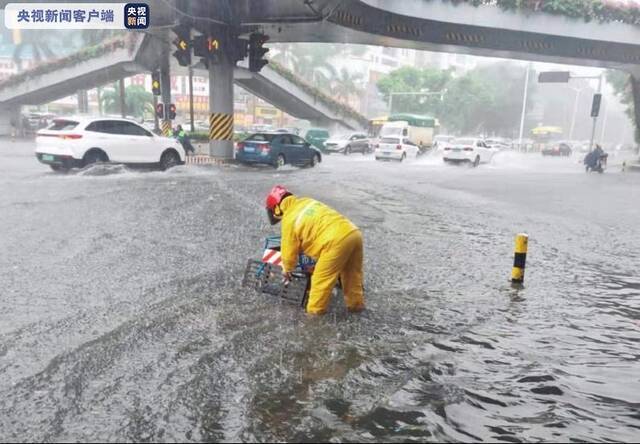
(395, 148)
(78, 142)
(442, 140)
(499, 143)
(468, 150)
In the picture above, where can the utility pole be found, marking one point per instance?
(575, 110)
(524, 106)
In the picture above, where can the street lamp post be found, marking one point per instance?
(565, 77)
(524, 107)
(578, 91)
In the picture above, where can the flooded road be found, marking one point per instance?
(122, 315)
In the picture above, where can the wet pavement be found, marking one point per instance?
(122, 316)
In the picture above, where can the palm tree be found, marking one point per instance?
(110, 100)
(312, 63)
(286, 55)
(37, 41)
(346, 85)
(137, 101)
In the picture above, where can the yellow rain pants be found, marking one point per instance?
(333, 241)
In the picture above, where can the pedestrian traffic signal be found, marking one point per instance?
(172, 111)
(183, 43)
(155, 83)
(257, 52)
(595, 105)
(160, 111)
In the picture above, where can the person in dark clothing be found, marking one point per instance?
(184, 140)
(595, 159)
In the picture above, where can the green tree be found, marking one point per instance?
(409, 79)
(487, 99)
(137, 101)
(505, 82)
(620, 81)
(466, 104)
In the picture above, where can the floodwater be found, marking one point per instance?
(122, 315)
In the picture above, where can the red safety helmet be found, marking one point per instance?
(274, 198)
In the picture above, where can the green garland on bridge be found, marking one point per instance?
(344, 110)
(70, 60)
(588, 10)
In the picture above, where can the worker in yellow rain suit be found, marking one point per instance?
(325, 235)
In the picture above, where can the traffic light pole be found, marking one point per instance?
(165, 87)
(191, 98)
(221, 108)
(122, 96)
(595, 119)
(156, 122)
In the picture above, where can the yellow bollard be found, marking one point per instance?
(520, 258)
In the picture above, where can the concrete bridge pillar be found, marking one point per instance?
(221, 107)
(83, 101)
(10, 120)
(635, 88)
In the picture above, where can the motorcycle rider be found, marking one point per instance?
(595, 159)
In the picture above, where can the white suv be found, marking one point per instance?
(468, 150)
(78, 142)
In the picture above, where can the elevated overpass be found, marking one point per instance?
(436, 25)
(115, 59)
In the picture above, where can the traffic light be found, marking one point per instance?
(155, 83)
(240, 49)
(595, 106)
(160, 111)
(207, 47)
(182, 42)
(257, 52)
(172, 111)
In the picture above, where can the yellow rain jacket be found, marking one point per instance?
(333, 241)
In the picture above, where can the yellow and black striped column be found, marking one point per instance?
(520, 258)
(166, 128)
(221, 126)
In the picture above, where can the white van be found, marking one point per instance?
(422, 135)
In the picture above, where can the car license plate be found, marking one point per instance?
(386, 153)
(457, 150)
(48, 158)
(249, 149)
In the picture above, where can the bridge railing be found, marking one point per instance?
(339, 107)
(129, 41)
(590, 10)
